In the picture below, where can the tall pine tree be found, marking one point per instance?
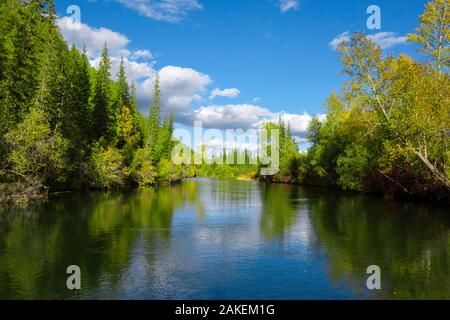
(123, 91)
(102, 115)
(154, 118)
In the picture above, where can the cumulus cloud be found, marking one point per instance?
(218, 145)
(384, 39)
(343, 37)
(387, 39)
(230, 116)
(227, 93)
(163, 10)
(141, 54)
(81, 35)
(286, 5)
(247, 116)
(135, 70)
(298, 122)
(180, 88)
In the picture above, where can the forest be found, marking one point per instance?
(66, 125)
(387, 130)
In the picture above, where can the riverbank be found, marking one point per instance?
(441, 198)
(23, 194)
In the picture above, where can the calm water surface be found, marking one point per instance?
(209, 239)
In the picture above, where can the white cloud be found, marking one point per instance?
(134, 70)
(384, 39)
(286, 5)
(298, 122)
(218, 145)
(141, 54)
(227, 93)
(180, 88)
(387, 39)
(80, 35)
(231, 116)
(343, 37)
(247, 116)
(164, 10)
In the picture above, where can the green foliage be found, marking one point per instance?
(235, 164)
(387, 131)
(107, 168)
(103, 117)
(21, 28)
(37, 152)
(142, 170)
(123, 91)
(351, 168)
(168, 172)
(66, 124)
(433, 35)
(288, 151)
(154, 120)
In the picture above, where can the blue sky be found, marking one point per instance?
(272, 56)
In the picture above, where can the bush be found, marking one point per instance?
(351, 168)
(106, 168)
(37, 152)
(168, 172)
(142, 170)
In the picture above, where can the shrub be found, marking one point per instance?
(106, 168)
(37, 152)
(351, 168)
(142, 170)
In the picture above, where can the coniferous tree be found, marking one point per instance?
(102, 116)
(133, 99)
(76, 108)
(154, 118)
(123, 91)
(21, 30)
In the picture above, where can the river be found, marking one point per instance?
(212, 239)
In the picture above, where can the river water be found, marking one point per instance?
(212, 239)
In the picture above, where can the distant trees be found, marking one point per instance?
(288, 153)
(229, 164)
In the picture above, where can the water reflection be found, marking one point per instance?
(410, 243)
(207, 239)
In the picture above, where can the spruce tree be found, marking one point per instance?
(102, 116)
(154, 119)
(123, 91)
(21, 48)
(133, 99)
(76, 107)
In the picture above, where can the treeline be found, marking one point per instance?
(234, 164)
(65, 124)
(388, 130)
